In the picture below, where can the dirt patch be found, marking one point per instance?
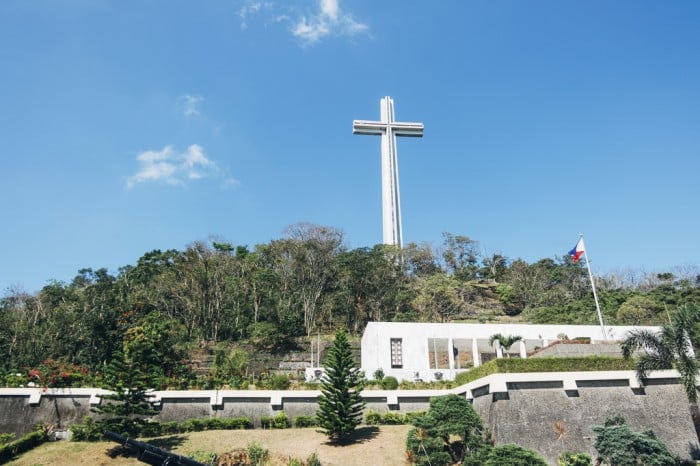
(383, 445)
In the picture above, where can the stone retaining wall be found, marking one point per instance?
(546, 412)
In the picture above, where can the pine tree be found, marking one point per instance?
(340, 405)
(126, 410)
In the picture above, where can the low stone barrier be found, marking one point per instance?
(547, 412)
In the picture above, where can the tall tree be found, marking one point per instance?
(311, 250)
(461, 255)
(340, 405)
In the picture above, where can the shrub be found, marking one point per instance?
(88, 431)
(204, 457)
(378, 374)
(589, 363)
(24, 444)
(281, 421)
(513, 455)
(390, 383)
(305, 421)
(412, 416)
(257, 453)
(313, 460)
(373, 418)
(238, 423)
(279, 382)
(91, 430)
(619, 445)
(6, 438)
(393, 419)
(574, 459)
(440, 434)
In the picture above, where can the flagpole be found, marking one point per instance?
(595, 295)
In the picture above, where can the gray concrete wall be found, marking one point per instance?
(529, 417)
(19, 417)
(517, 408)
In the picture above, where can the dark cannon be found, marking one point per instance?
(149, 454)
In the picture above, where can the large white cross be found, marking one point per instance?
(388, 129)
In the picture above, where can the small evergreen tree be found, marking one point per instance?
(618, 445)
(127, 408)
(340, 405)
(451, 431)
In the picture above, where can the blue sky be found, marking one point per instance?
(128, 126)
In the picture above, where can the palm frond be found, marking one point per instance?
(687, 367)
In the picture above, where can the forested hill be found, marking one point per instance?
(309, 282)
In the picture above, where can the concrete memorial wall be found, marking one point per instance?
(546, 412)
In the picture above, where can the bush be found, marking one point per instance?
(91, 430)
(278, 382)
(88, 431)
(412, 416)
(305, 421)
(6, 438)
(373, 418)
(513, 455)
(440, 434)
(257, 453)
(390, 383)
(574, 459)
(313, 460)
(393, 419)
(589, 363)
(619, 445)
(281, 421)
(24, 444)
(378, 375)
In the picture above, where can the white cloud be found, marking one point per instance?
(251, 9)
(329, 20)
(189, 104)
(326, 20)
(173, 168)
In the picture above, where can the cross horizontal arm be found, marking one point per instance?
(408, 129)
(378, 128)
(368, 127)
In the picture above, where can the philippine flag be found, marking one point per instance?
(577, 251)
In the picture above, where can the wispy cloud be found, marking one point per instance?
(189, 104)
(329, 20)
(175, 168)
(326, 19)
(251, 9)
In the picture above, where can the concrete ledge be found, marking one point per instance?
(498, 383)
(34, 394)
(491, 384)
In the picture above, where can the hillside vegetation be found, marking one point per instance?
(173, 304)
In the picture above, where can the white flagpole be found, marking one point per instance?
(595, 295)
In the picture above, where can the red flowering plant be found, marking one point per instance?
(58, 373)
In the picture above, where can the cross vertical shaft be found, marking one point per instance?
(388, 129)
